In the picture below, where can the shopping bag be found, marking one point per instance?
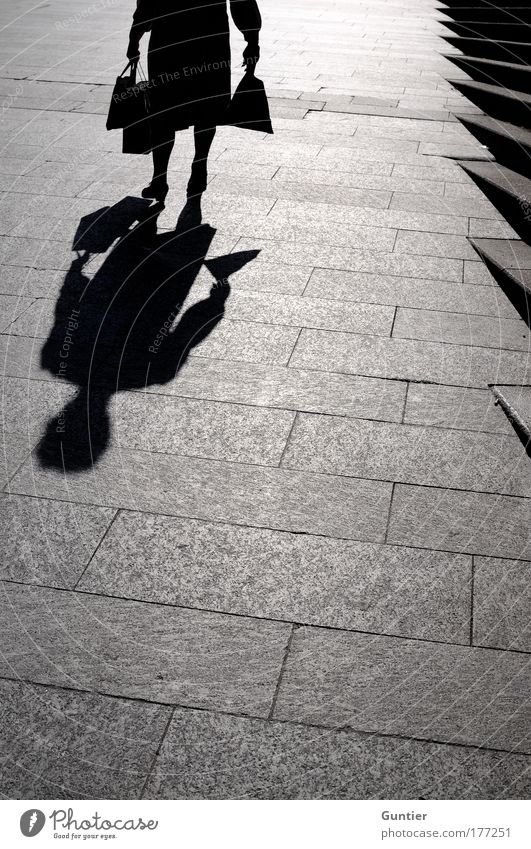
(129, 111)
(249, 108)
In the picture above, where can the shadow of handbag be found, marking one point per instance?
(249, 108)
(129, 110)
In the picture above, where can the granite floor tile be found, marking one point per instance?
(455, 407)
(59, 744)
(481, 228)
(296, 311)
(209, 756)
(409, 292)
(206, 489)
(35, 254)
(434, 244)
(374, 262)
(287, 388)
(19, 281)
(270, 574)
(381, 182)
(249, 342)
(219, 431)
(129, 649)
(48, 542)
(460, 329)
(421, 455)
(34, 402)
(356, 216)
(14, 448)
(502, 595)
(477, 274)
(473, 522)
(451, 172)
(313, 231)
(10, 308)
(20, 357)
(265, 277)
(304, 192)
(27, 405)
(451, 694)
(429, 203)
(404, 359)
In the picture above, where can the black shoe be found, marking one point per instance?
(157, 190)
(198, 181)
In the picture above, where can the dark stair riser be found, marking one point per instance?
(497, 32)
(500, 51)
(514, 76)
(459, 4)
(516, 292)
(490, 14)
(497, 104)
(515, 209)
(507, 151)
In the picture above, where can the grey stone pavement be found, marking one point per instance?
(302, 567)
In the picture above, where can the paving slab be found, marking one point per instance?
(155, 653)
(425, 690)
(403, 359)
(461, 329)
(382, 589)
(458, 407)
(409, 292)
(473, 522)
(48, 542)
(206, 489)
(434, 244)
(209, 756)
(410, 454)
(61, 744)
(341, 258)
(501, 603)
(191, 428)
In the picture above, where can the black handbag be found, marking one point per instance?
(130, 111)
(249, 108)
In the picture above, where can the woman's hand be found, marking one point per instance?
(133, 49)
(251, 55)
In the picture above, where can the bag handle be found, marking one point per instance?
(133, 65)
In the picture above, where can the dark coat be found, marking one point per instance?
(189, 56)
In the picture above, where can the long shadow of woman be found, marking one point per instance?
(123, 328)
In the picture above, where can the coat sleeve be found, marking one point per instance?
(246, 16)
(142, 18)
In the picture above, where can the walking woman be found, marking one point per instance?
(189, 74)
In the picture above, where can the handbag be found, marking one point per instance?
(249, 108)
(129, 110)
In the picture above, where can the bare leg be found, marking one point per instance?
(203, 138)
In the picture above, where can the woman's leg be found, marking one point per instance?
(162, 148)
(203, 138)
(161, 155)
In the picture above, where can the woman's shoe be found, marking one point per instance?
(198, 180)
(157, 190)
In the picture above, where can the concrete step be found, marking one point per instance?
(496, 101)
(508, 4)
(509, 191)
(511, 145)
(515, 401)
(511, 75)
(509, 262)
(488, 29)
(489, 13)
(504, 51)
